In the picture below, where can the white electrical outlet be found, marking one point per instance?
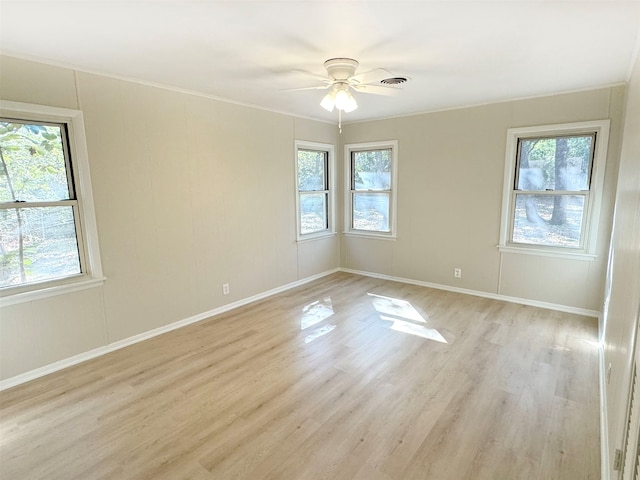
(457, 272)
(225, 289)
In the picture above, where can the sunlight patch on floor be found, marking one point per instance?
(314, 313)
(318, 332)
(413, 329)
(396, 307)
(404, 317)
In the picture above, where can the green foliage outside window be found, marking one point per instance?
(37, 228)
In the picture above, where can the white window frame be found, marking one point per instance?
(330, 192)
(593, 199)
(348, 196)
(86, 227)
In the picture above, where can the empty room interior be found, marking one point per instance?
(319, 240)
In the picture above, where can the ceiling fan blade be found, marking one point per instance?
(309, 74)
(318, 87)
(374, 75)
(377, 89)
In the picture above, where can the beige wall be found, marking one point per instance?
(451, 168)
(620, 319)
(190, 193)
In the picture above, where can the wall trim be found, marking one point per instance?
(495, 102)
(137, 81)
(604, 419)
(111, 347)
(494, 296)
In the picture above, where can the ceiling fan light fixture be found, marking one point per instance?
(342, 99)
(351, 104)
(328, 102)
(345, 101)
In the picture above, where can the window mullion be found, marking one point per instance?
(59, 203)
(551, 192)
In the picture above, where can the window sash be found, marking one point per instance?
(385, 192)
(309, 190)
(388, 190)
(592, 151)
(550, 194)
(325, 170)
(382, 193)
(599, 130)
(79, 182)
(325, 196)
(353, 169)
(66, 150)
(79, 239)
(21, 205)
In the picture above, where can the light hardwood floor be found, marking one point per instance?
(398, 382)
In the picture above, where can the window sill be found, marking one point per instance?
(313, 237)
(587, 257)
(373, 236)
(50, 291)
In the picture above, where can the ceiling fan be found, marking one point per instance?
(342, 79)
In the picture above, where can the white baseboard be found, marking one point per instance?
(97, 352)
(604, 419)
(522, 301)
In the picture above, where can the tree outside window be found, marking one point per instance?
(38, 208)
(554, 178)
(552, 187)
(371, 180)
(313, 191)
(371, 189)
(314, 195)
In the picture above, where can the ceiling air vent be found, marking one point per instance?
(394, 81)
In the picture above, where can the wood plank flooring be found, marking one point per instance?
(347, 377)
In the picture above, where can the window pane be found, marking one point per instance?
(559, 163)
(553, 220)
(371, 211)
(37, 244)
(313, 212)
(32, 166)
(312, 174)
(372, 170)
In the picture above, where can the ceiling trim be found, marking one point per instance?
(162, 86)
(494, 102)
(196, 93)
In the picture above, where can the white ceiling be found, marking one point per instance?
(456, 53)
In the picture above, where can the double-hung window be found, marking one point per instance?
(553, 186)
(47, 231)
(314, 182)
(371, 196)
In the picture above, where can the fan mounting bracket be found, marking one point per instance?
(341, 68)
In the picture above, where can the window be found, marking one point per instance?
(553, 185)
(47, 232)
(371, 194)
(314, 167)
